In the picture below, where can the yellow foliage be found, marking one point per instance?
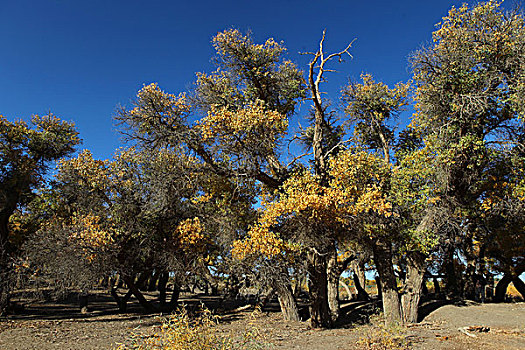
(190, 234)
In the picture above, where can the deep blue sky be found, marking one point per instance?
(81, 59)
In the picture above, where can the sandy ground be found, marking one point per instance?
(62, 326)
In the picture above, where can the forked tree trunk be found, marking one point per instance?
(287, 301)
(333, 274)
(318, 289)
(413, 286)
(385, 269)
(138, 294)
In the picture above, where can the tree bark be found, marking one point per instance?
(152, 284)
(287, 301)
(437, 288)
(138, 294)
(318, 289)
(385, 268)
(360, 281)
(347, 289)
(4, 260)
(413, 285)
(520, 286)
(453, 288)
(333, 274)
(501, 288)
(163, 280)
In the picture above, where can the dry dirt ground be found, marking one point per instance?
(62, 326)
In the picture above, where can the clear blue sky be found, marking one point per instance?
(81, 59)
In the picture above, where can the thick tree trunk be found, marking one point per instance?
(413, 285)
(501, 288)
(333, 274)
(287, 301)
(385, 269)
(347, 289)
(318, 289)
(520, 286)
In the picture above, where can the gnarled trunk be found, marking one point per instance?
(413, 286)
(385, 269)
(318, 289)
(287, 301)
(333, 274)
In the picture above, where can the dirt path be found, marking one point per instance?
(439, 330)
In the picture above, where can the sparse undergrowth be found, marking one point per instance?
(381, 337)
(181, 331)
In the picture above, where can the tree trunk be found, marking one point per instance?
(333, 274)
(152, 284)
(519, 285)
(137, 293)
(360, 280)
(174, 301)
(501, 288)
(378, 287)
(385, 269)
(489, 292)
(452, 282)
(437, 288)
(318, 289)
(424, 288)
(413, 285)
(4, 260)
(470, 281)
(347, 289)
(163, 280)
(287, 301)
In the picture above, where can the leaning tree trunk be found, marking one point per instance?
(333, 274)
(501, 288)
(359, 278)
(138, 294)
(318, 289)
(519, 285)
(385, 268)
(287, 301)
(413, 286)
